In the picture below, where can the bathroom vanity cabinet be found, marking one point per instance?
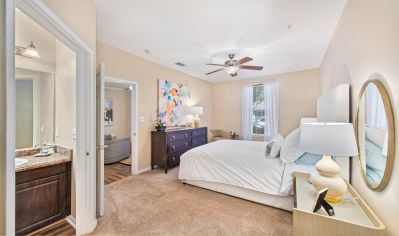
(43, 196)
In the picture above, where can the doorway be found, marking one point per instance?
(84, 133)
(117, 145)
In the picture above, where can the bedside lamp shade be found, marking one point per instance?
(329, 139)
(197, 111)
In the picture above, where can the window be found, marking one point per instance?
(258, 116)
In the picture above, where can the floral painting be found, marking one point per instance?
(108, 112)
(173, 102)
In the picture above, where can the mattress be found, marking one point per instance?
(241, 164)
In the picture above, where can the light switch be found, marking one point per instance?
(141, 119)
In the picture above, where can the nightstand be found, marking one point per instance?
(352, 216)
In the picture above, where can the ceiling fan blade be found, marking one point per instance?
(211, 64)
(244, 60)
(251, 67)
(213, 71)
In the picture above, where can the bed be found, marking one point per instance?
(239, 168)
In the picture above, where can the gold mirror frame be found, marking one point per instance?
(391, 132)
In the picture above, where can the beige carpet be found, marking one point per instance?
(157, 204)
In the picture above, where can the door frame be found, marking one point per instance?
(133, 119)
(85, 174)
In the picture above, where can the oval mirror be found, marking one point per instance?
(375, 133)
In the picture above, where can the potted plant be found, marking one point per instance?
(160, 125)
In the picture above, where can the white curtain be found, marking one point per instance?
(271, 91)
(375, 110)
(247, 112)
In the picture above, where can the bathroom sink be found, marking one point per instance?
(41, 154)
(20, 161)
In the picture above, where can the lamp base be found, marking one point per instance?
(196, 122)
(328, 178)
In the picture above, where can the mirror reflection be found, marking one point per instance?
(373, 135)
(34, 108)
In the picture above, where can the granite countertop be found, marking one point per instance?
(62, 155)
(37, 162)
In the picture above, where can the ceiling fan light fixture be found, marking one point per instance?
(31, 51)
(231, 70)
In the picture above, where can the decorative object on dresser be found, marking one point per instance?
(197, 111)
(167, 146)
(160, 125)
(329, 139)
(352, 216)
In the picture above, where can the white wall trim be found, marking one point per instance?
(10, 117)
(71, 220)
(85, 143)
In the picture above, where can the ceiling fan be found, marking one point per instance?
(233, 66)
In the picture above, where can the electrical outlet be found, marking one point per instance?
(57, 131)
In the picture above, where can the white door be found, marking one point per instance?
(100, 137)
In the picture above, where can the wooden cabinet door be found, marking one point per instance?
(40, 202)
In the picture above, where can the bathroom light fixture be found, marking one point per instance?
(29, 52)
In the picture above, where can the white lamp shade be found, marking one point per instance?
(328, 139)
(197, 110)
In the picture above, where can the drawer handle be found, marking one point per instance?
(186, 135)
(174, 159)
(173, 147)
(195, 142)
(174, 137)
(186, 144)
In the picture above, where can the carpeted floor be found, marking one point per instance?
(153, 203)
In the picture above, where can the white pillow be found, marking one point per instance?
(273, 147)
(290, 147)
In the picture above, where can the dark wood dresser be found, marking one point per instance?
(168, 146)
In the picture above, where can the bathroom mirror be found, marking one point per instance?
(375, 132)
(34, 108)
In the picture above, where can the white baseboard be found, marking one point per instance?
(71, 220)
(144, 170)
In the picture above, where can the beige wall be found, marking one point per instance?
(129, 67)
(367, 41)
(298, 92)
(121, 113)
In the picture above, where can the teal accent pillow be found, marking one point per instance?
(309, 159)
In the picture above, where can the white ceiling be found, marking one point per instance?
(200, 32)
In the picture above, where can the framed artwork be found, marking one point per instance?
(108, 112)
(173, 102)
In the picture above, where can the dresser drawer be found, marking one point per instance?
(198, 141)
(178, 136)
(177, 146)
(174, 158)
(199, 132)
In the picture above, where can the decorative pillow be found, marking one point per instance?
(309, 159)
(273, 147)
(290, 147)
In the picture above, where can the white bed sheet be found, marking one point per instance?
(239, 163)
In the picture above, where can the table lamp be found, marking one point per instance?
(329, 139)
(197, 111)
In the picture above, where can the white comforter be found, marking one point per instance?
(238, 163)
